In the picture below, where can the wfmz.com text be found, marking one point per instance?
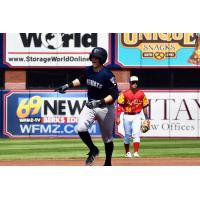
(52, 129)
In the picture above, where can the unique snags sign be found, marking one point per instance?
(158, 50)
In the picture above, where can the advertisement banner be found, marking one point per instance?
(44, 114)
(48, 50)
(1, 115)
(172, 114)
(157, 50)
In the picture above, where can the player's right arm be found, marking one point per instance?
(120, 104)
(121, 99)
(75, 83)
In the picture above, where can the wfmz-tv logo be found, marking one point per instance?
(39, 109)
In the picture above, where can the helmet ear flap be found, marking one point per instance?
(101, 61)
(90, 57)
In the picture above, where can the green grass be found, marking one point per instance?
(37, 149)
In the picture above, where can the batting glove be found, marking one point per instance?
(62, 88)
(95, 103)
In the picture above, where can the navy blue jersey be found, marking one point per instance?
(99, 84)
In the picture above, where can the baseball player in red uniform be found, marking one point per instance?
(132, 102)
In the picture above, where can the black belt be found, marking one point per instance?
(127, 113)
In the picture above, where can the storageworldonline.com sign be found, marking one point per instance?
(31, 50)
(44, 114)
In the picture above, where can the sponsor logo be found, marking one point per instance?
(158, 46)
(57, 40)
(45, 107)
(113, 81)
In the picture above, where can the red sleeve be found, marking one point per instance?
(119, 110)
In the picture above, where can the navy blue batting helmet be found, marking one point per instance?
(100, 53)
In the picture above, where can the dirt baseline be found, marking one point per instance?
(116, 162)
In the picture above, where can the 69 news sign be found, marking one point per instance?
(44, 114)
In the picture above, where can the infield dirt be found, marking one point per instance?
(115, 162)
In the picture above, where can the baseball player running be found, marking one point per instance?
(131, 102)
(102, 93)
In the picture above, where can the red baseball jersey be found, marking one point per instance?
(132, 102)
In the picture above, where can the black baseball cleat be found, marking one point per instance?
(91, 156)
(107, 164)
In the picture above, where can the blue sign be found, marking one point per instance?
(1, 115)
(157, 50)
(44, 114)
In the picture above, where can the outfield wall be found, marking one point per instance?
(1, 115)
(174, 113)
(43, 61)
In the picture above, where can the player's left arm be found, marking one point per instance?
(146, 113)
(145, 107)
(113, 91)
(145, 125)
(109, 99)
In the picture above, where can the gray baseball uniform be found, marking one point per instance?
(105, 117)
(100, 84)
